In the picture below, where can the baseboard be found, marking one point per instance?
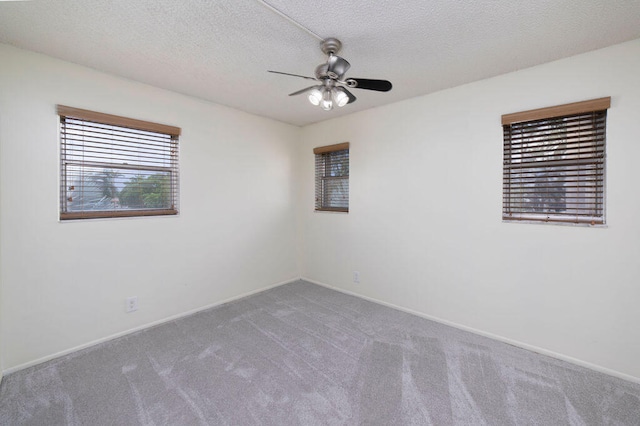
(141, 327)
(507, 340)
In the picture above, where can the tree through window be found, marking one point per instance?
(114, 166)
(554, 160)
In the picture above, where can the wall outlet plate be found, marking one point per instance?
(132, 304)
(356, 276)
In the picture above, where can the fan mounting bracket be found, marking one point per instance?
(330, 46)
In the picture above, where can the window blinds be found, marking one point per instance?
(113, 166)
(332, 177)
(554, 167)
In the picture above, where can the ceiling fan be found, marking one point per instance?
(332, 86)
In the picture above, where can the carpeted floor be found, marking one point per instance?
(301, 354)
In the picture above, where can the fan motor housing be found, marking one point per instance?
(321, 71)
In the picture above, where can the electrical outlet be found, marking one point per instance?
(132, 304)
(356, 276)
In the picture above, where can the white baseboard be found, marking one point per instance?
(517, 343)
(141, 327)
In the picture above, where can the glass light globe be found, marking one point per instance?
(340, 97)
(327, 102)
(315, 96)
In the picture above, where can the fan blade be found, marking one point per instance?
(293, 75)
(364, 83)
(299, 92)
(338, 66)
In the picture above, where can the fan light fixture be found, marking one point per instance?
(327, 98)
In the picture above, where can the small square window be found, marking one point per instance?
(332, 177)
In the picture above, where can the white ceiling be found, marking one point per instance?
(220, 50)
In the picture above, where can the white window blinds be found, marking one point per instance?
(332, 177)
(114, 166)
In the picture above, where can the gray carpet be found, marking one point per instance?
(301, 354)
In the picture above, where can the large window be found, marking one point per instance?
(554, 163)
(332, 177)
(113, 166)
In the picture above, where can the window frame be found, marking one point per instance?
(321, 155)
(584, 166)
(87, 116)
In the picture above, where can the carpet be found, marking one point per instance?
(302, 354)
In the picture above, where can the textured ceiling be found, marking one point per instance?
(220, 50)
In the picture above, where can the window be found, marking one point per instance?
(554, 163)
(332, 177)
(114, 166)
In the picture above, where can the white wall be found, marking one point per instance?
(425, 232)
(424, 229)
(64, 284)
(1, 344)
